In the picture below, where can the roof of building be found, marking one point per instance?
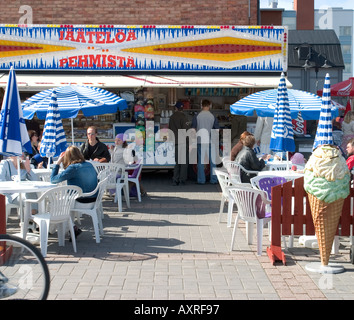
(323, 44)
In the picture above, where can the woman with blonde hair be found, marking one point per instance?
(77, 172)
(347, 128)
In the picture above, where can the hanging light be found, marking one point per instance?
(307, 65)
(326, 65)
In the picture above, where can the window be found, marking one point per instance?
(347, 67)
(346, 49)
(345, 31)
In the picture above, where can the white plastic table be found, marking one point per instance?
(280, 165)
(23, 187)
(288, 175)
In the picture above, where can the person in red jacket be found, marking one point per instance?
(350, 152)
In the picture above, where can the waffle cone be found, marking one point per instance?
(325, 219)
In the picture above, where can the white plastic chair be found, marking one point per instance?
(54, 208)
(224, 182)
(122, 184)
(103, 174)
(117, 181)
(234, 169)
(44, 176)
(247, 210)
(270, 181)
(93, 209)
(134, 178)
(99, 166)
(224, 159)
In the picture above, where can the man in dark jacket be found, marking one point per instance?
(179, 121)
(94, 149)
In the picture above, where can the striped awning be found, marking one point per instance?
(39, 82)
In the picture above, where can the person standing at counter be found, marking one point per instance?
(203, 123)
(179, 121)
(93, 148)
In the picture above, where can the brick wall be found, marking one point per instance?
(138, 12)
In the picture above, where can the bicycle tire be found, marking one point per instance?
(24, 274)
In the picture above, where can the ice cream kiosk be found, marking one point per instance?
(152, 67)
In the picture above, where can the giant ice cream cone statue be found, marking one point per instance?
(327, 183)
(326, 180)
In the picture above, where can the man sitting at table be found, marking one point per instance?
(94, 149)
(248, 159)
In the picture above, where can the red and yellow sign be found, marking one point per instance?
(218, 49)
(181, 48)
(20, 48)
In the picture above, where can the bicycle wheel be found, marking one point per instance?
(24, 273)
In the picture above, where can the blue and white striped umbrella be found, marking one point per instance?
(13, 132)
(264, 103)
(324, 134)
(282, 136)
(53, 142)
(73, 98)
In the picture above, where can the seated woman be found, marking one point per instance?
(37, 161)
(34, 143)
(77, 172)
(248, 159)
(8, 171)
(239, 145)
(120, 153)
(124, 155)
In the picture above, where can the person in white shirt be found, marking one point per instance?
(262, 133)
(203, 123)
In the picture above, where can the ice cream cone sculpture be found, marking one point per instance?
(326, 182)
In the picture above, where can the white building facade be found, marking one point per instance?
(342, 22)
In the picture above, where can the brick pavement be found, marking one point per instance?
(171, 246)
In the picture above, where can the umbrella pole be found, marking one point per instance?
(287, 161)
(18, 169)
(72, 130)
